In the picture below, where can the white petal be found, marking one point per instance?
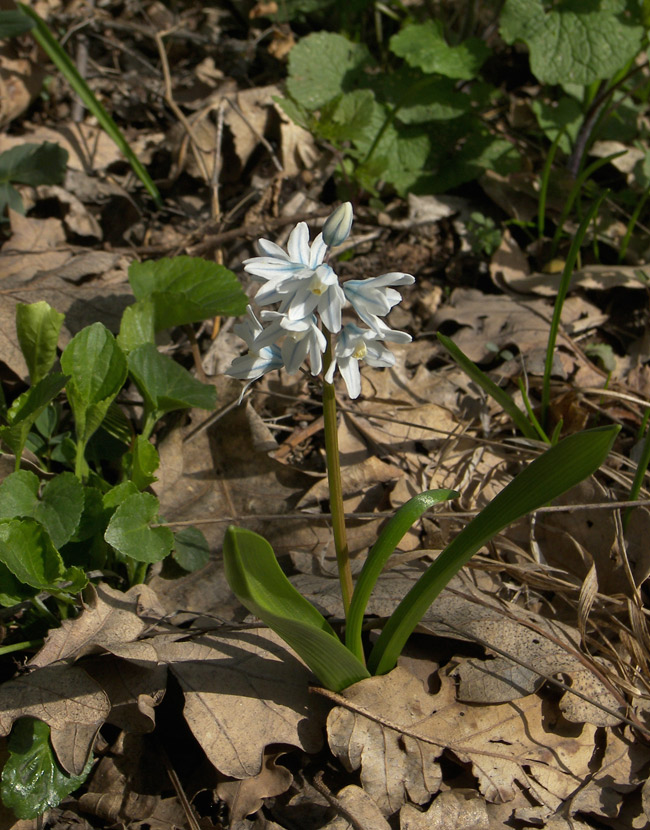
(298, 245)
(349, 368)
(269, 248)
(317, 251)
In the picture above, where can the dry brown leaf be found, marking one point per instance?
(67, 699)
(451, 810)
(20, 82)
(355, 803)
(110, 618)
(77, 218)
(35, 245)
(589, 278)
(89, 147)
(243, 691)
(508, 745)
(246, 796)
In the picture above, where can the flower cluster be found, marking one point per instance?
(309, 301)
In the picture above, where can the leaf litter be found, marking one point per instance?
(488, 739)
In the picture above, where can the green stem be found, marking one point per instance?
(335, 487)
(641, 470)
(80, 461)
(21, 646)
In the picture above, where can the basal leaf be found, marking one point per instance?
(116, 495)
(187, 290)
(166, 385)
(10, 198)
(191, 549)
(38, 326)
(34, 164)
(26, 409)
(423, 45)
(548, 476)
(322, 66)
(27, 550)
(145, 462)
(32, 779)
(11, 590)
(129, 530)
(576, 41)
(259, 583)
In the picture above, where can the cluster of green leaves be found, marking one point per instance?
(73, 517)
(416, 125)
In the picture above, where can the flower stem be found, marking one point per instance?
(336, 489)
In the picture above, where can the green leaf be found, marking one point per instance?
(38, 326)
(60, 507)
(34, 164)
(116, 495)
(130, 533)
(546, 478)
(137, 325)
(387, 541)
(260, 585)
(576, 41)
(495, 392)
(10, 198)
(145, 463)
(14, 23)
(97, 369)
(18, 494)
(26, 409)
(27, 550)
(191, 549)
(187, 290)
(322, 66)
(11, 590)
(166, 385)
(32, 779)
(423, 45)
(563, 114)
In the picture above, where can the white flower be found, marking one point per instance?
(321, 293)
(263, 354)
(373, 298)
(277, 267)
(302, 338)
(338, 225)
(355, 344)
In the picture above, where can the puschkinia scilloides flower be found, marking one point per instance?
(310, 305)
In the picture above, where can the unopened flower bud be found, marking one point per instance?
(337, 226)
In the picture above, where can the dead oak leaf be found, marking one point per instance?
(244, 690)
(64, 697)
(246, 796)
(508, 745)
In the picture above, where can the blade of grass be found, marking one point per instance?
(496, 392)
(553, 473)
(639, 475)
(543, 188)
(64, 64)
(563, 288)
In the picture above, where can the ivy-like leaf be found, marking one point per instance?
(32, 779)
(38, 326)
(322, 66)
(130, 533)
(27, 550)
(423, 45)
(137, 326)
(34, 164)
(191, 549)
(576, 41)
(187, 290)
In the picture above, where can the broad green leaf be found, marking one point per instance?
(137, 326)
(423, 45)
(116, 495)
(576, 41)
(130, 533)
(60, 507)
(322, 66)
(495, 392)
(18, 494)
(145, 462)
(14, 23)
(191, 549)
(97, 369)
(345, 118)
(32, 779)
(379, 554)
(564, 114)
(10, 198)
(166, 385)
(27, 408)
(38, 326)
(34, 164)
(187, 290)
(260, 585)
(547, 477)
(27, 550)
